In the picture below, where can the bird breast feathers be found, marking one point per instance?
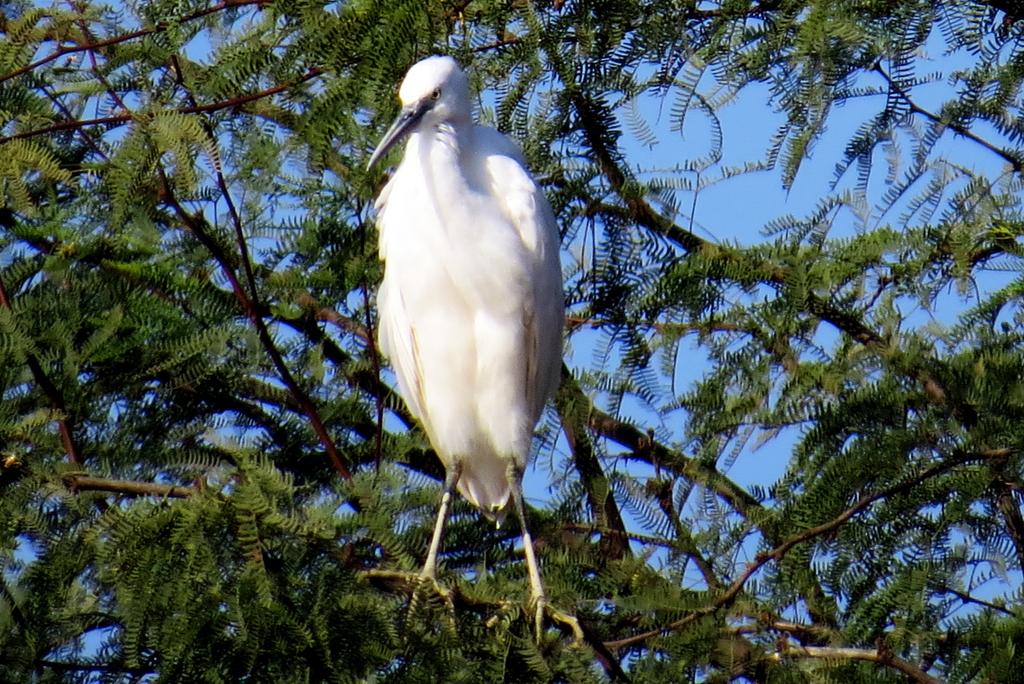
(491, 240)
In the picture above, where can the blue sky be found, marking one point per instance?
(737, 210)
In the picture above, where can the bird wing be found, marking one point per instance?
(402, 350)
(523, 203)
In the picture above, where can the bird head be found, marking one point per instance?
(435, 91)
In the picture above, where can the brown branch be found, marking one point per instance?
(94, 667)
(119, 119)
(573, 407)
(684, 542)
(967, 598)
(645, 448)
(1009, 508)
(18, 616)
(778, 552)
(368, 381)
(84, 134)
(880, 656)
(124, 38)
(127, 487)
(1014, 160)
(642, 212)
(844, 321)
(196, 225)
(250, 301)
(799, 630)
(330, 315)
(65, 424)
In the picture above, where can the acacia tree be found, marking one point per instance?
(206, 474)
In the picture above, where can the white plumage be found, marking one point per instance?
(471, 309)
(471, 302)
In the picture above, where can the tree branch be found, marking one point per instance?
(645, 448)
(967, 598)
(127, 487)
(95, 667)
(775, 275)
(1013, 159)
(65, 425)
(879, 656)
(124, 38)
(777, 553)
(399, 582)
(119, 119)
(196, 225)
(573, 406)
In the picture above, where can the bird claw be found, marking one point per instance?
(416, 585)
(424, 583)
(566, 620)
(442, 592)
(570, 622)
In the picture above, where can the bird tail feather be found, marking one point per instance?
(484, 483)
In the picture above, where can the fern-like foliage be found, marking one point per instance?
(785, 450)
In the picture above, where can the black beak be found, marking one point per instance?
(406, 121)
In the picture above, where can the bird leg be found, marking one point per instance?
(429, 572)
(451, 478)
(537, 595)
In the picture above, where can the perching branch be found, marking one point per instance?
(399, 582)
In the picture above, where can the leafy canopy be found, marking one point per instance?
(786, 450)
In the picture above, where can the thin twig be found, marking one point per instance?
(119, 119)
(125, 37)
(196, 225)
(249, 303)
(1011, 158)
(250, 300)
(777, 553)
(967, 598)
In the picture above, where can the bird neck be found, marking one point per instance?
(445, 141)
(448, 166)
(444, 153)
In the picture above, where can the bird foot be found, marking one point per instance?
(417, 585)
(424, 584)
(429, 582)
(564, 620)
(411, 582)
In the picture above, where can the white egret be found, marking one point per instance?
(471, 309)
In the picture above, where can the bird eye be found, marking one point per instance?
(436, 94)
